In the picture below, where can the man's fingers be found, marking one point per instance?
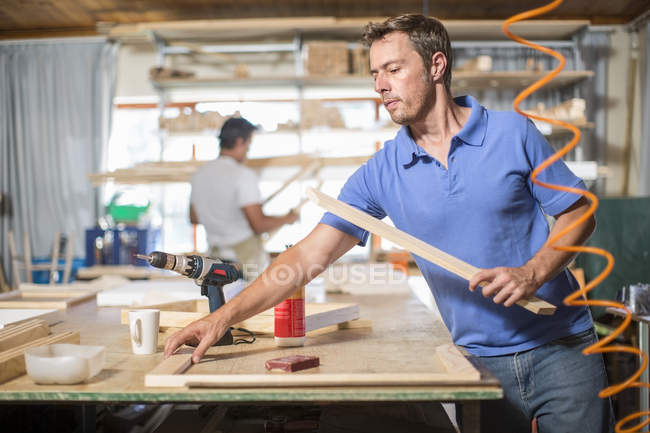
(479, 277)
(514, 297)
(173, 343)
(505, 292)
(490, 290)
(208, 340)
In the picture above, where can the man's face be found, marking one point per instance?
(401, 80)
(241, 148)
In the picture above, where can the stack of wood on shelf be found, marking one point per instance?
(289, 125)
(14, 339)
(313, 114)
(150, 172)
(534, 66)
(194, 122)
(572, 110)
(162, 72)
(477, 64)
(182, 171)
(360, 61)
(329, 58)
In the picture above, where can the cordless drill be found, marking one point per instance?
(211, 274)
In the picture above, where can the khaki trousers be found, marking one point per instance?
(250, 254)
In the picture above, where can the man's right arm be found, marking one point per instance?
(262, 223)
(292, 269)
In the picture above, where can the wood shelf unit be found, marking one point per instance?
(461, 80)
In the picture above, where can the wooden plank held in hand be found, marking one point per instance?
(414, 245)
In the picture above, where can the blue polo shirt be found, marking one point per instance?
(483, 209)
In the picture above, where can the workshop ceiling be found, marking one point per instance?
(42, 18)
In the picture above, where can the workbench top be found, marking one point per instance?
(405, 323)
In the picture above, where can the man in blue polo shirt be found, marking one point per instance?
(458, 177)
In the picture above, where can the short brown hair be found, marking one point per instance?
(427, 35)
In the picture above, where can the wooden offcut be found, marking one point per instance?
(15, 335)
(414, 245)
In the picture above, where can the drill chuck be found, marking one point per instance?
(190, 266)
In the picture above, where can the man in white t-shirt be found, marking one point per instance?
(226, 199)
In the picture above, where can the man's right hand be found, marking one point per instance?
(201, 333)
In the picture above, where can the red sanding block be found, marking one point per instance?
(293, 363)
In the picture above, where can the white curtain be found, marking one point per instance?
(55, 109)
(644, 181)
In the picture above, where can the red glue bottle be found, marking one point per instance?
(290, 320)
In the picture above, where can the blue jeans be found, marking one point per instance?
(554, 383)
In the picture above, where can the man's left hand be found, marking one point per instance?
(506, 285)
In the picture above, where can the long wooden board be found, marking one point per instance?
(414, 245)
(317, 316)
(453, 368)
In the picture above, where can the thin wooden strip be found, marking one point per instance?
(27, 334)
(413, 244)
(316, 316)
(169, 319)
(303, 379)
(53, 293)
(14, 365)
(188, 306)
(58, 305)
(178, 363)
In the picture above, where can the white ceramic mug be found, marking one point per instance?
(143, 326)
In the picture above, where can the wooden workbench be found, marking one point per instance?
(400, 319)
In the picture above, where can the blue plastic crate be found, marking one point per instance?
(43, 277)
(120, 245)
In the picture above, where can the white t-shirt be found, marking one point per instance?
(219, 190)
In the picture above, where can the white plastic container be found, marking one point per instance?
(63, 363)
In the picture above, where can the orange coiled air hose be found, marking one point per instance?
(579, 297)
